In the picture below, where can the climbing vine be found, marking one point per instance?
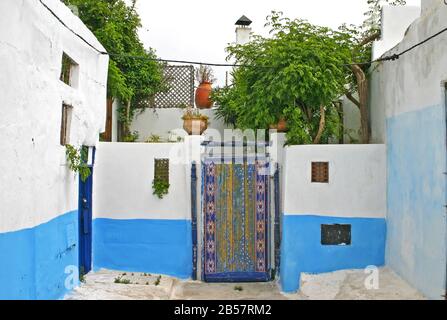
(77, 161)
(160, 187)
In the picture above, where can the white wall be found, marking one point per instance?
(356, 188)
(36, 183)
(161, 121)
(351, 121)
(408, 101)
(428, 5)
(123, 177)
(243, 35)
(395, 22)
(416, 77)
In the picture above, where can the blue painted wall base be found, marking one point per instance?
(140, 245)
(33, 261)
(416, 193)
(301, 249)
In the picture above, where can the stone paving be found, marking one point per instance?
(339, 285)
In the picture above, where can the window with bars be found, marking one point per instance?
(65, 124)
(320, 172)
(161, 170)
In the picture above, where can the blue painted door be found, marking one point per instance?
(85, 219)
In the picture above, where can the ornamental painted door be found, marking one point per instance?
(236, 221)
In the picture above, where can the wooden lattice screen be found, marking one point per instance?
(320, 172)
(180, 83)
(161, 169)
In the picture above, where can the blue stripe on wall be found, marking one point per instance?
(140, 245)
(33, 261)
(416, 156)
(301, 249)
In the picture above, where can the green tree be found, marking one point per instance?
(300, 73)
(130, 79)
(296, 74)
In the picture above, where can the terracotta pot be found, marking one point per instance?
(281, 126)
(189, 124)
(202, 98)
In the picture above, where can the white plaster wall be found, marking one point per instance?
(351, 121)
(161, 121)
(357, 181)
(416, 77)
(428, 5)
(115, 115)
(395, 22)
(123, 177)
(243, 35)
(36, 183)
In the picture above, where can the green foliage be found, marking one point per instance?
(77, 161)
(204, 74)
(373, 16)
(116, 24)
(371, 27)
(160, 188)
(82, 274)
(191, 113)
(121, 280)
(291, 74)
(154, 138)
(227, 110)
(131, 137)
(157, 281)
(295, 72)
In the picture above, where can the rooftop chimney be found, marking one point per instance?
(243, 30)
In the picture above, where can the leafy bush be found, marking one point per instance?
(77, 159)
(160, 188)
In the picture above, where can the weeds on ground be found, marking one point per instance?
(121, 280)
(157, 282)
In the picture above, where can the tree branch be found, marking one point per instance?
(321, 125)
(352, 99)
(370, 39)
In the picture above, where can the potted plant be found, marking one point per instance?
(204, 76)
(194, 122)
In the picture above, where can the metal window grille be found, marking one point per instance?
(335, 234)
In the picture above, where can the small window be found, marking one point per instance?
(320, 172)
(336, 234)
(69, 70)
(65, 124)
(161, 170)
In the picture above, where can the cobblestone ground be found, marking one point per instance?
(339, 285)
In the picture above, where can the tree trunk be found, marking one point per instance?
(321, 125)
(339, 107)
(127, 123)
(362, 88)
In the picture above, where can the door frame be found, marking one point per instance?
(254, 276)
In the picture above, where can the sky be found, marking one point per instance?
(199, 30)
